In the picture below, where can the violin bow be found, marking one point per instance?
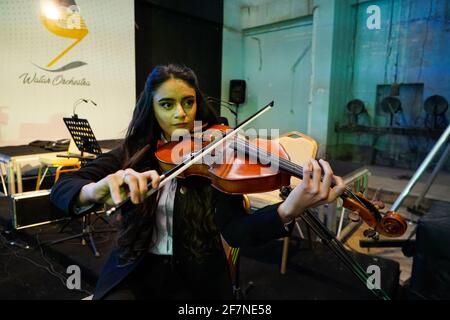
(337, 247)
(194, 157)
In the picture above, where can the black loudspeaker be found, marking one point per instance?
(237, 91)
(224, 121)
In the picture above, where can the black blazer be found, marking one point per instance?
(210, 278)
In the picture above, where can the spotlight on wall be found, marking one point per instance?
(50, 10)
(436, 106)
(354, 108)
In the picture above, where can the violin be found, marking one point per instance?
(243, 167)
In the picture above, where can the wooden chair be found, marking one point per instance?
(233, 255)
(2, 177)
(64, 162)
(300, 148)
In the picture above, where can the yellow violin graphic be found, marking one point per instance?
(63, 18)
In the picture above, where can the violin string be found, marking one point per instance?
(267, 156)
(286, 164)
(320, 228)
(348, 260)
(294, 169)
(337, 247)
(353, 266)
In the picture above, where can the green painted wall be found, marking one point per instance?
(348, 61)
(411, 48)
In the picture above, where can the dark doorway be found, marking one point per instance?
(169, 33)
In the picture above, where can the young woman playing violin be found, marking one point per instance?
(169, 244)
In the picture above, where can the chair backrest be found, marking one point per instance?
(231, 253)
(300, 148)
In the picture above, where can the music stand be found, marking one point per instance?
(85, 140)
(83, 136)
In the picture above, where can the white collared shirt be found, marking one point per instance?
(163, 235)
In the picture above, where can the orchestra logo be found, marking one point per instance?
(63, 19)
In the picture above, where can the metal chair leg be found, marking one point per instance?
(5, 190)
(284, 255)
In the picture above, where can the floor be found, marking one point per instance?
(34, 274)
(389, 180)
(312, 274)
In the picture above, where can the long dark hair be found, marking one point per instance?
(144, 128)
(141, 143)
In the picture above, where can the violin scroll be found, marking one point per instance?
(393, 224)
(390, 224)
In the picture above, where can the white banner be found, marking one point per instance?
(54, 52)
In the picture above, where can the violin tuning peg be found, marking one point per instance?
(354, 216)
(285, 191)
(371, 233)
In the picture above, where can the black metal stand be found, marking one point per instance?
(87, 233)
(84, 138)
(238, 292)
(82, 134)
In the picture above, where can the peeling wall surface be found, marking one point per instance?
(232, 59)
(313, 57)
(411, 48)
(286, 81)
(258, 13)
(269, 47)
